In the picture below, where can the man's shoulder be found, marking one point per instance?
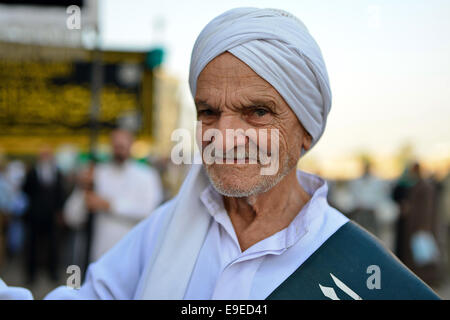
(350, 264)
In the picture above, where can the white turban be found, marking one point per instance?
(279, 48)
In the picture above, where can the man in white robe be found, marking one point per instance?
(124, 193)
(233, 232)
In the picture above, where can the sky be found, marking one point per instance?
(388, 62)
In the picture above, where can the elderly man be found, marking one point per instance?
(234, 232)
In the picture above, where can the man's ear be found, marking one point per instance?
(307, 141)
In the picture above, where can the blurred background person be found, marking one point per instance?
(400, 195)
(341, 197)
(373, 207)
(367, 196)
(444, 215)
(15, 230)
(119, 194)
(367, 201)
(418, 225)
(5, 199)
(43, 187)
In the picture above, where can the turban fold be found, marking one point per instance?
(278, 47)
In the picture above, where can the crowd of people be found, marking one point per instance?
(411, 215)
(50, 220)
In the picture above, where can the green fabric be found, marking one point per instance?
(347, 254)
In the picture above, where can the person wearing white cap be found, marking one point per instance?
(235, 231)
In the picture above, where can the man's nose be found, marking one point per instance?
(232, 129)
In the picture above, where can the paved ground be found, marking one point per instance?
(13, 274)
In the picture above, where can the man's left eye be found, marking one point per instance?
(260, 112)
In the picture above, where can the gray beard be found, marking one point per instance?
(265, 185)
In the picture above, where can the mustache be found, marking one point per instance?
(249, 152)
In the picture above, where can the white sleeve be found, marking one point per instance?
(75, 213)
(14, 293)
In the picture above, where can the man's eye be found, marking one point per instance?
(206, 112)
(260, 112)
